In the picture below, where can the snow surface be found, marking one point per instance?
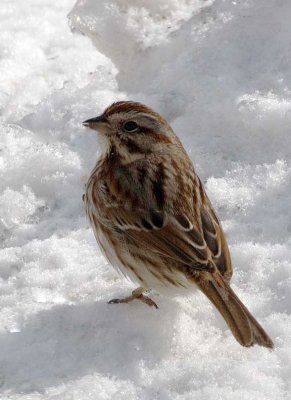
(220, 71)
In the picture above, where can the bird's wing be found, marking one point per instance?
(172, 237)
(180, 228)
(214, 237)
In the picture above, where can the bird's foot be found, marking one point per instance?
(137, 294)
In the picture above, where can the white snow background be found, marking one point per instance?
(220, 72)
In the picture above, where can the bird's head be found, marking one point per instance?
(133, 129)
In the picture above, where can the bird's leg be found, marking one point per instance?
(137, 294)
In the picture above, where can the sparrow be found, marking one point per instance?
(153, 220)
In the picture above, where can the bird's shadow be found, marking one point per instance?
(70, 341)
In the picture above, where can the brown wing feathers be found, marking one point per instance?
(190, 241)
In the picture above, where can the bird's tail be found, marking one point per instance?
(243, 325)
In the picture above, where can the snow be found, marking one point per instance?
(220, 72)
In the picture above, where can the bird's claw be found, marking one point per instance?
(135, 296)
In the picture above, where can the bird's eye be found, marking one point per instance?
(130, 126)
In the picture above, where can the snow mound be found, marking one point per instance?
(220, 73)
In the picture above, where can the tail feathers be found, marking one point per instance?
(243, 325)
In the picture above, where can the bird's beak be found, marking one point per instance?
(94, 122)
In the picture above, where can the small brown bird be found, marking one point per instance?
(153, 220)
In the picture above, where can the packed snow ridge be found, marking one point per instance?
(220, 72)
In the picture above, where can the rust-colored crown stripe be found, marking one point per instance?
(129, 106)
